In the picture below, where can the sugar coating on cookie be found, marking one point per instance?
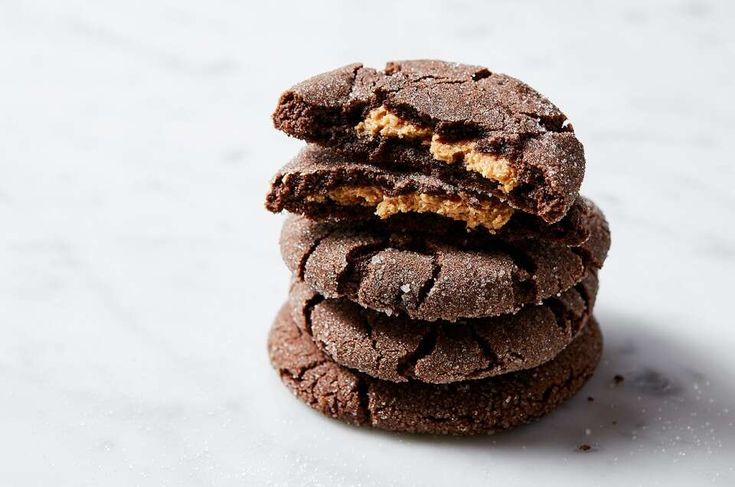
(457, 122)
(444, 267)
(397, 349)
(461, 408)
(429, 277)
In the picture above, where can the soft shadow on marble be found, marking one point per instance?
(673, 400)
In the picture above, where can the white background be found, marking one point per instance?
(139, 272)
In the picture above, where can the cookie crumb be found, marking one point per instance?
(618, 379)
(584, 447)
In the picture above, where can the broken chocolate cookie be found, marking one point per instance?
(459, 123)
(323, 185)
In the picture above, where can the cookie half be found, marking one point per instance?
(398, 349)
(437, 277)
(322, 185)
(460, 123)
(461, 408)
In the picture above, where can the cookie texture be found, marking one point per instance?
(398, 349)
(322, 185)
(456, 122)
(461, 408)
(439, 277)
(319, 183)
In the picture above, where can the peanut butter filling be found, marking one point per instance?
(489, 214)
(489, 165)
(381, 122)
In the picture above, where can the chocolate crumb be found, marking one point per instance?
(590, 398)
(584, 447)
(618, 379)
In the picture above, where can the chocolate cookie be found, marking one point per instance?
(398, 349)
(322, 185)
(461, 408)
(437, 277)
(457, 122)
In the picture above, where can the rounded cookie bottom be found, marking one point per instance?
(460, 408)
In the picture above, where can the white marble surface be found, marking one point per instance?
(140, 272)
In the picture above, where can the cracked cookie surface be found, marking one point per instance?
(398, 349)
(433, 277)
(457, 122)
(461, 408)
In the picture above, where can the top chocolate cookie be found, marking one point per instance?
(453, 121)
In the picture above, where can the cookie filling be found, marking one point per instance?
(381, 122)
(489, 214)
(384, 123)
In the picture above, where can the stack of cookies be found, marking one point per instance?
(444, 266)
